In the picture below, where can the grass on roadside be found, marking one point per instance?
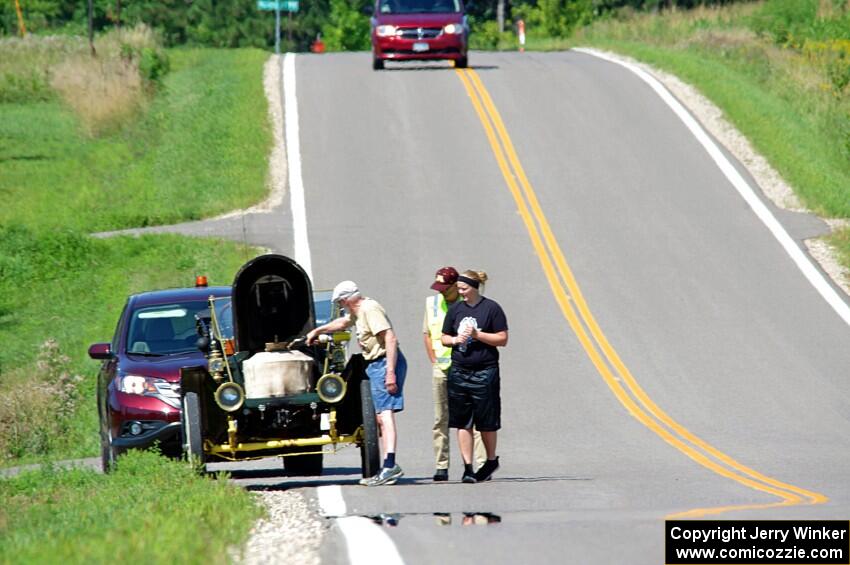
(198, 150)
(80, 516)
(70, 288)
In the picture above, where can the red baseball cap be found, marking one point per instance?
(445, 277)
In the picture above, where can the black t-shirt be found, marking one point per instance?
(488, 317)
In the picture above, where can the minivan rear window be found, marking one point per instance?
(419, 6)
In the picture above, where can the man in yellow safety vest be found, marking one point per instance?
(436, 306)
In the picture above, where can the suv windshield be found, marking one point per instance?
(419, 6)
(169, 329)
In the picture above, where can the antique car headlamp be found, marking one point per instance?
(331, 388)
(216, 365)
(229, 397)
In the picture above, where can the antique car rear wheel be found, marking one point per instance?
(192, 434)
(370, 454)
(304, 465)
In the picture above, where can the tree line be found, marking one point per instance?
(239, 23)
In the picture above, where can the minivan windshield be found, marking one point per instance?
(420, 6)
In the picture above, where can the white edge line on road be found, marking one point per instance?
(802, 261)
(301, 243)
(367, 543)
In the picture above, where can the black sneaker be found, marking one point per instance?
(468, 478)
(441, 475)
(485, 473)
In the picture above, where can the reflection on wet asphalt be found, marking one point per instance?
(440, 518)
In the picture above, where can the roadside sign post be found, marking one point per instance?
(278, 6)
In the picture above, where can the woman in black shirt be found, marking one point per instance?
(475, 328)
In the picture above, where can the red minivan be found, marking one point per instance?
(419, 30)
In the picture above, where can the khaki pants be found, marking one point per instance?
(441, 424)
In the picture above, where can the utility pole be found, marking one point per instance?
(277, 28)
(500, 15)
(22, 29)
(91, 29)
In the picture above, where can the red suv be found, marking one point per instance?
(421, 30)
(138, 389)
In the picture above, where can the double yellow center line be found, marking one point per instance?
(574, 308)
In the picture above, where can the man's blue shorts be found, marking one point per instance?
(377, 372)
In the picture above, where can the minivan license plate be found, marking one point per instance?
(420, 47)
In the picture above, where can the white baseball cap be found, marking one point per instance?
(344, 291)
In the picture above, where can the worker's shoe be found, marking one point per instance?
(441, 475)
(485, 473)
(386, 477)
(468, 478)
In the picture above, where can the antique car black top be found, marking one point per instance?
(264, 392)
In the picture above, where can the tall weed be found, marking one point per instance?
(41, 402)
(103, 93)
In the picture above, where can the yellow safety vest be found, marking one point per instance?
(435, 313)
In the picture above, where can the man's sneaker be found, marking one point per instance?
(468, 478)
(386, 477)
(485, 473)
(441, 475)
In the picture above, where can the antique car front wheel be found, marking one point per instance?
(192, 433)
(370, 454)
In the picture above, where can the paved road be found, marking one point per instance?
(694, 295)
(689, 367)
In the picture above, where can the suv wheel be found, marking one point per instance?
(377, 64)
(370, 455)
(108, 454)
(461, 63)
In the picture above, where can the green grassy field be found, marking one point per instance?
(150, 510)
(198, 149)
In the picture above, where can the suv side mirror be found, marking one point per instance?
(100, 351)
(368, 10)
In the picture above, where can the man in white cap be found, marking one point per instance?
(385, 366)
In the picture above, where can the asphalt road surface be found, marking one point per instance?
(666, 357)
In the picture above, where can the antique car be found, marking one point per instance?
(263, 392)
(138, 385)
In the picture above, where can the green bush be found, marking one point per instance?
(484, 34)
(153, 64)
(347, 28)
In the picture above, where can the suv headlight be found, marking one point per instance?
(147, 386)
(453, 29)
(385, 30)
